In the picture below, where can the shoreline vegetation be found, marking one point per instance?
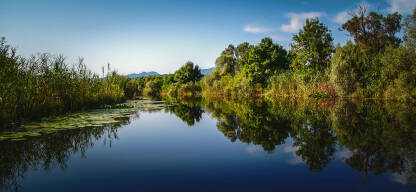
(376, 64)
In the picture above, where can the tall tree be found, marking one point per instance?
(187, 73)
(373, 31)
(264, 60)
(312, 46)
(229, 60)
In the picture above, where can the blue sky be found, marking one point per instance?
(161, 36)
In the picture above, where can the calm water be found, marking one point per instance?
(225, 146)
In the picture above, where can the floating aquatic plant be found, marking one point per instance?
(94, 118)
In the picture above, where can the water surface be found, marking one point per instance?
(224, 146)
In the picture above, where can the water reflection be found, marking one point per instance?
(188, 110)
(371, 138)
(50, 151)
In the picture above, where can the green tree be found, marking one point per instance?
(345, 74)
(229, 60)
(226, 64)
(153, 85)
(187, 73)
(264, 60)
(312, 46)
(373, 31)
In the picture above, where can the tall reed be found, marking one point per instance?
(44, 84)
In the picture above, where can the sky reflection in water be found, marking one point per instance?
(225, 146)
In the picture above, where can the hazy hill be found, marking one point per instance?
(142, 74)
(207, 71)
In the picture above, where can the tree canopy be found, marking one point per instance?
(187, 73)
(264, 60)
(373, 31)
(312, 46)
(229, 60)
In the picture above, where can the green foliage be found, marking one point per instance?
(355, 72)
(345, 66)
(153, 85)
(133, 88)
(305, 83)
(189, 89)
(399, 71)
(188, 73)
(264, 60)
(43, 85)
(376, 66)
(374, 31)
(312, 46)
(229, 60)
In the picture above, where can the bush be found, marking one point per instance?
(345, 65)
(189, 89)
(153, 86)
(399, 71)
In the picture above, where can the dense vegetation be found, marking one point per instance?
(43, 85)
(184, 82)
(378, 64)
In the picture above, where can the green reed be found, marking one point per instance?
(44, 84)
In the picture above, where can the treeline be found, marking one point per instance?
(184, 82)
(43, 85)
(377, 64)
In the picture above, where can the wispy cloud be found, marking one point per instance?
(256, 29)
(271, 32)
(401, 6)
(295, 159)
(342, 17)
(297, 20)
(255, 149)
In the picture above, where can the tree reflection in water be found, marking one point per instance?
(50, 151)
(187, 109)
(379, 137)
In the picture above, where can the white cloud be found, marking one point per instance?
(290, 148)
(255, 149)
(253, 29)
(295, 159)
(342, 17)
(297, 20)
(401, 6)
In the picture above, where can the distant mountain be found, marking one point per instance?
(207, 71)
(142, 74)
